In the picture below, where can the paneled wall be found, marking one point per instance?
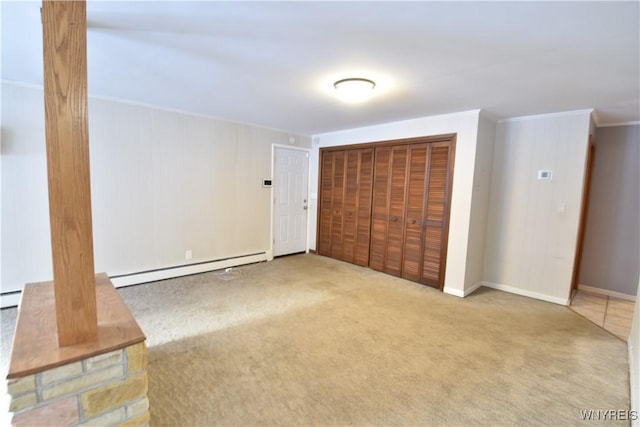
(532, 225)
(163, 182)
(611, 259)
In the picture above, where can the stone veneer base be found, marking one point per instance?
(109, 389)
(102, 382)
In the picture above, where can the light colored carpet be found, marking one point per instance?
(306, 340)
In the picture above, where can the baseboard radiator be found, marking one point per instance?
(10, 299)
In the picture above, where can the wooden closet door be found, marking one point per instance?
(380, 208)
(345, 204)
(362, 212)
(337, 204)
(397, 210)
(326, 203)
(357, 206)
(416, 197)
(387, 232)
(437, 214)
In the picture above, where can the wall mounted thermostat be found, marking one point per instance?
(544, 174)
(266, 183)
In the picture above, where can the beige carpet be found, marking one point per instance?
(306, 340)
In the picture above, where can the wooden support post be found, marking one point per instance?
(65, 92)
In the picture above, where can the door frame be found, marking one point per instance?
(272, 194)
(584, 212)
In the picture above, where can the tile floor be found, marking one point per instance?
(613, 314)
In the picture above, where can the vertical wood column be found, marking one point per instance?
(65, 92)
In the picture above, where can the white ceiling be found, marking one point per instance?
(273, 63)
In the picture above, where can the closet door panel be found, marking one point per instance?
(350, 203)
(380, 210)
(326, 203)
(363, 207)
(436, 213)
(338, 204)
(397, 210)
(413, 239)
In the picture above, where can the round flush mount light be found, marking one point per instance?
(354, 90)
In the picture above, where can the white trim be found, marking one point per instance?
(273, 167)
(526, 293)
(606, 292)
(464, 293)
(609, 125)
(10, 300)
(169, 273)
(547, 115)
(473, 288)
(161, 108)
(454, 292)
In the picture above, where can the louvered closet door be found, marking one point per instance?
(337, 204)
(387, 234)
(380, 210)
(357, 206)
(416, 197)
(437, 206)
(345, 205)
(326, 203)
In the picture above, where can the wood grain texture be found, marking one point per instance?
(386, 205)
(66, 123)
(35, 345)
(345, 204)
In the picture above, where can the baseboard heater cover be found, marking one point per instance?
(10, 299)
(185, 270)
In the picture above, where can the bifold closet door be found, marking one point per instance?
(410, 211)
(345, 205)
(417, 183)
(357, 206)
(389, 209)
(437, 214)
(327, 180)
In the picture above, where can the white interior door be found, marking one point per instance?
(291, 201)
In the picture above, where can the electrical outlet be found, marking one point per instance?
(188, 254)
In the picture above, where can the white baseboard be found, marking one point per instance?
(462, 293)
(473, 288)
(454, 292)
(606, 292)
(526, 293)
(151, 276)
(169, 273)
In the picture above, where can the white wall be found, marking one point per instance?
(26, 244)
(162, 182)
(465, 125)
(532, 228)
(611, 259)
(480, 203)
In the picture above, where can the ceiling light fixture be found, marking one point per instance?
(354, 90)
